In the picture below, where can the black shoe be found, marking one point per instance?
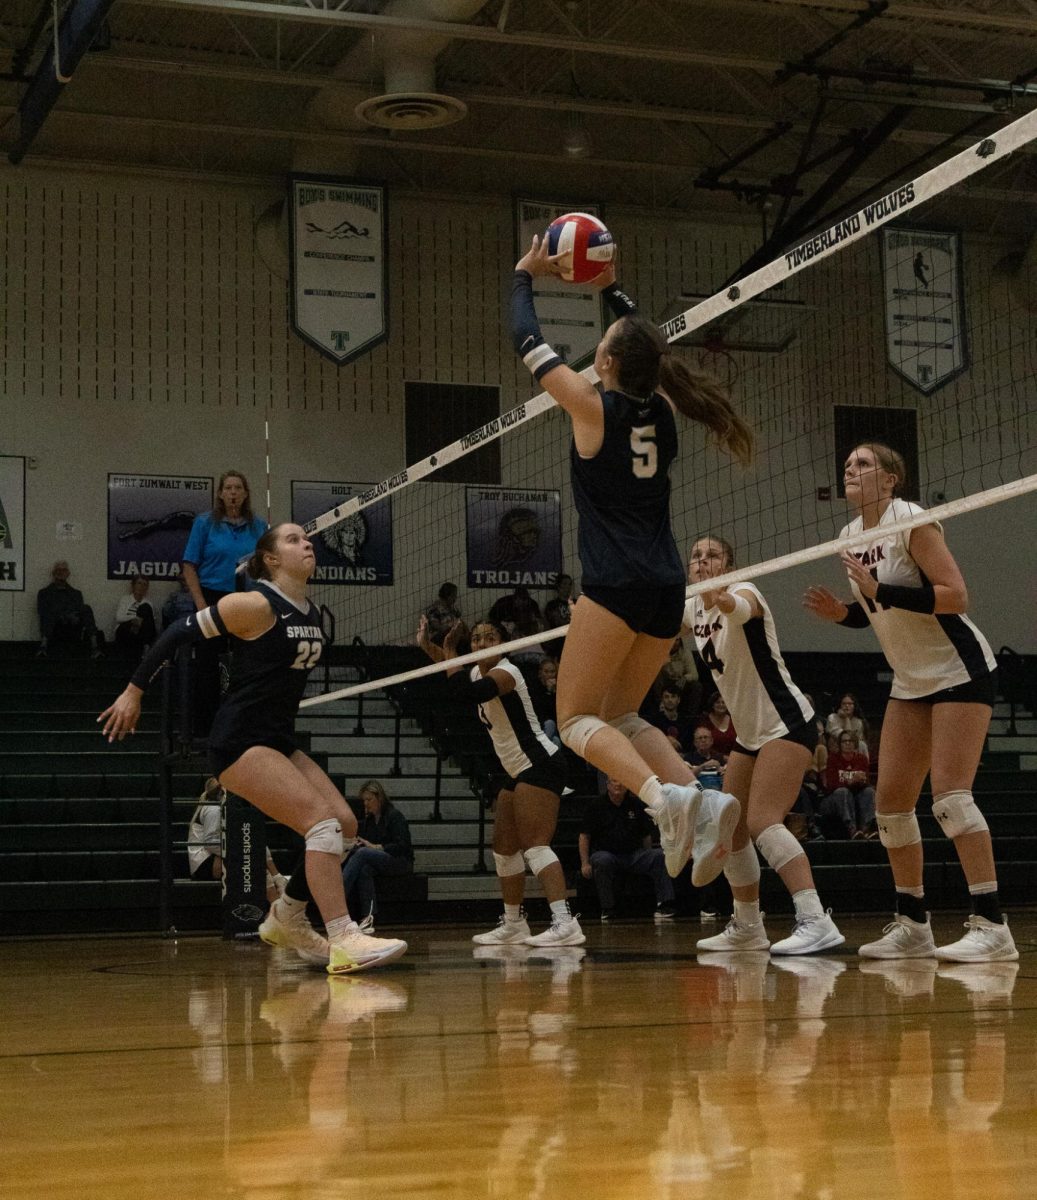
(607, 914)
(664, 912)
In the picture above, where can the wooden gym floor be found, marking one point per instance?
(140, 1068)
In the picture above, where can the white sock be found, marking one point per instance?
(339, 929)
(292, 906)
(747, 912)
(512, 912)
(560, 910)
(808, 903)
(651, 792)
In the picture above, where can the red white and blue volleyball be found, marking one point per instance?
(585, 243)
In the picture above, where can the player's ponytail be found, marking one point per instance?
(255, 564)
(646, 364)
(703, 398)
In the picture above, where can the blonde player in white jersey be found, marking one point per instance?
(526, 811)
(735, 635)
(908, 587)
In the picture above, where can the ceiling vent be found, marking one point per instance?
(411, 110)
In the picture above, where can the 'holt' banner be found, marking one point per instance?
(357, 549)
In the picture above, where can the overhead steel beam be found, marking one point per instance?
(461, 32)
(75, 33)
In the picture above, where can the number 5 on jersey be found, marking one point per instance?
(644, 450)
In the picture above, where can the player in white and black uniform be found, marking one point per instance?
(526, 811)
(277, 640)
(907, 586)
(735, 636)
(624, 443)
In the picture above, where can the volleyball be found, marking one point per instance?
(586, 244)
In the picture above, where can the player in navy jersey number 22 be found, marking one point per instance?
(277, 641)
(624, 442)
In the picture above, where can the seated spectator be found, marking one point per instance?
(718, 721)
(135, 620)
(802, 820)
(527, 623)
(680, 671)
(851, 798)
(668, 718)
(177, 604)
(542, 693)
(516, 608)
(443, 614)
(847, 718)
(204, 844)
(617, 838)
(702, 756)
(65, 617)
(559, 609)
(383, 847)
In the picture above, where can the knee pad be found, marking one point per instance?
(630, 725)
(579, 730)
(539, 857)
(742, 867)
(326, 837)
(958, 814)
(898, 829)
(778, 846)
(509, 864)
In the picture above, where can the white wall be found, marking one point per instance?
(141, 332)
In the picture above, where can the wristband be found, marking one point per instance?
(856, 617)
(913, 599)
(742, 610)
(620, 303)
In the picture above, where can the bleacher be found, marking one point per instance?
(80, 820)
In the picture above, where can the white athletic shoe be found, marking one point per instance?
(504, 932)
(676, 818)
(714, 829)
(984, 941)
(359, 952)
(294, 933)
(810, 935)
(367, 925)
(902, 938)
(904, 976)
(566, 932)
(736, 937)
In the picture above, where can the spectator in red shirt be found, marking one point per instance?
(718, 721)
(851, 798)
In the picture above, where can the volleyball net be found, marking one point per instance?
(884, 325)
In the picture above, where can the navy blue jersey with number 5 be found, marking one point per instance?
(622, 495)
(268, 675)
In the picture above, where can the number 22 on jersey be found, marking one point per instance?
(306, 655)
(644, 450)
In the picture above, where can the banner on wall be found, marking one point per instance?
(357, 549)
(569, 315)
(339, 265)
(925, 307)
(514, 537)
(149, 520)
(12, 523)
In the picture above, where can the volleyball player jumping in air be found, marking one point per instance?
(526, 811)
(277, 641)
(624, 441)
(735, 635)
(910, 590)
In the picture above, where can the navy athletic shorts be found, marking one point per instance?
(975, 691)
(802, 735)
(646, 608)
(223, 756)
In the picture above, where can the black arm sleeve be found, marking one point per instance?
(181, 633)
(477, 693)
(525, 328)
(856, 617)
(914, 599)
(620, 303)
